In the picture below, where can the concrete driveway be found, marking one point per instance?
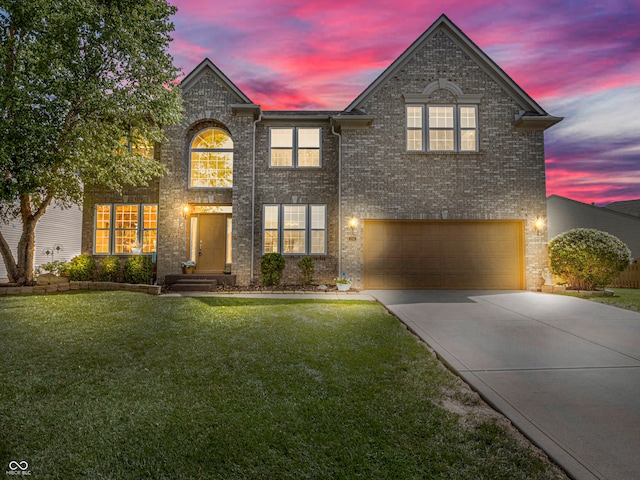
(565, 371)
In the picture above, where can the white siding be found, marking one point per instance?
(57, 227)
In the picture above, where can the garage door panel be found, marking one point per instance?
(376, 265)
(443, 254)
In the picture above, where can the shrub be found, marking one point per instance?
(109, 269)
(271, 267)
(57, 267)
(307, 269)
(81, 268)
(587, 259)
(138, 269)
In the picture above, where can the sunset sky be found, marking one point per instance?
(579, 59)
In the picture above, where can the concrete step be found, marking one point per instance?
(194, 285)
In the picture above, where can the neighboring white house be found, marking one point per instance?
(58, 236)
(566, 214)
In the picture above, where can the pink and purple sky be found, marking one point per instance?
(579, 59)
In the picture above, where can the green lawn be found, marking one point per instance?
(627, 298)
(121, 385)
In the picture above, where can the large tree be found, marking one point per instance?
(78, 80)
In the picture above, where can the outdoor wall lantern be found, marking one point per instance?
(186, 210)
(353, 224)
(539, 223)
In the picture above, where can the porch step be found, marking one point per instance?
(194, 285)
(220, 278)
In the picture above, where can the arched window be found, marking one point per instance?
(211, 159)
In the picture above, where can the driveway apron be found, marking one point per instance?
(565, 371)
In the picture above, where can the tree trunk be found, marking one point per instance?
(26, 251)
(9, 261)
(20, 268)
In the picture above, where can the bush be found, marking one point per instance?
(271, 267)
(138, 269)
(109, 269)
(307, 269)
(81, 268)
(57, 267)
(587, 259)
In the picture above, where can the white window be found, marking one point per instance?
(442, 128)
(294, 147)
(295, 229)
(121, 228)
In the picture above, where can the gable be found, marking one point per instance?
(207, 67)
(531, 114)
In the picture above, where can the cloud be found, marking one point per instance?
(578, 59)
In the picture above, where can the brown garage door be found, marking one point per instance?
(454, 255)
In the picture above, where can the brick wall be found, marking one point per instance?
(504, 180)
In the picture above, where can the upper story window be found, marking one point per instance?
(211, 160)
(294, 147)
(442, 118)
(442, 128)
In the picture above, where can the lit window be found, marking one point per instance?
(211, 160)
(295, 229)
(103, 229)
(448, 128)
(126, 228)
(271, 228)
(294, 147)
(121, 228)
(149, 228)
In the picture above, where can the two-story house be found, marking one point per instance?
(432, 178)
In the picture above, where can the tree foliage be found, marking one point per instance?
(587, 259)
(80, 80)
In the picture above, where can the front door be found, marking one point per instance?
(211, 243)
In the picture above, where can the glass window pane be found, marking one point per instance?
(149, 241)
(102, 241)
(281, 158)
(440, 117)
(270, 241)
(193, 239)
(468, 140)
(150, 216)
(271, 216)
(126, 216)
(318, 242)
(308, 138)
(103, 216)
(229, 240)
(441, 140)
(203, 139)
(212, 169)
(222, 140)
(124, 240)
(414, 140)
(467, 117)
(295, 217)
(282, 137)
(414, 117)
(308, 158)
(294, 241)
(318, 216)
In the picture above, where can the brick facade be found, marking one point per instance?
(378, 178)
